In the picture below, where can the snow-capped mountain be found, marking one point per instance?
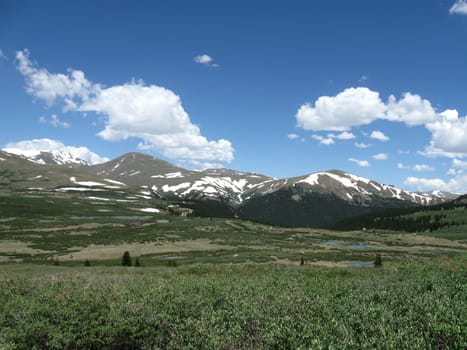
(311, 200)
(168, 181)
(46, 151)
(345, 186)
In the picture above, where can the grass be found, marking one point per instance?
(216, 283)
(222, 306)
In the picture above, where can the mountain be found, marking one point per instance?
(46, 151)
(321, 198)
(168, 181)
(316, 199)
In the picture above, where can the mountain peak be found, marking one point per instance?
(47, 151)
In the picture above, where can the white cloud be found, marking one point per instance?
(459, 7)
(411, 110)
(34, 147)
(360, 106)
(56, 122)
(378, 135)
(325, 141)
(457, 184)
(361, 145)
(293, 136)
(49, 87)
(458, 167)
(361, 163)
(380, 156)
(2, 56)
(205, 60)
(449, 135)
(423, 184)
(343, 136)
(363, 78)
(459, 164)
(351, 107)
(402, 166)
(422, 167)
(151, 113)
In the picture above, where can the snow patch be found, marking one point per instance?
(82, 189)
(150, 210)
(86, 183)
(98, 198)
(167, 188)
(115, 182)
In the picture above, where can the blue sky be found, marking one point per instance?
(283, 88)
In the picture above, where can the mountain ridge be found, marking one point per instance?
(312, 199)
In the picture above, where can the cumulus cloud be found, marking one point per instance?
(361, 106)
(402, 166)
(423, 184)
(459, 7)
(151, 113)
(205, 60)
(361, 163)
(422, 167)
(54, 121)
(381, 156)
(351, 107)
(324, 140)
(456, 184)
(411, 110)
(342, 136)
(362, 145)
(49, 87)
(449, 135)
(34, 147)
(378, 135)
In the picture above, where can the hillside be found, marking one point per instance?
(448, 220)
(316, 199)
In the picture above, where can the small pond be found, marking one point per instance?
(361, 264)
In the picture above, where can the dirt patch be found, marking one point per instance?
(19, 247)
(323, 263)
(106, 252)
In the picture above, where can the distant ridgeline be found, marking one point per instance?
(415, 219)
(315, 200)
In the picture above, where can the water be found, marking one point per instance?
(361, 264)
(360, 246)
(333, 243)
(128, 217)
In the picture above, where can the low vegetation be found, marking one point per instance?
(82, 273)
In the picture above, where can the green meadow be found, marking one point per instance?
(215, 283)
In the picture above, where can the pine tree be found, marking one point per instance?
(378, 261)
(137, 262)
(87, 263)
(126, 259)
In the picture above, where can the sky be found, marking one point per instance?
(281, 88)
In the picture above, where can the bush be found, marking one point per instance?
(126, 259)
(378, 260)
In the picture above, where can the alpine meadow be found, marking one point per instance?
(233, 175)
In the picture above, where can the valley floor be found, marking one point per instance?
(213, 283)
